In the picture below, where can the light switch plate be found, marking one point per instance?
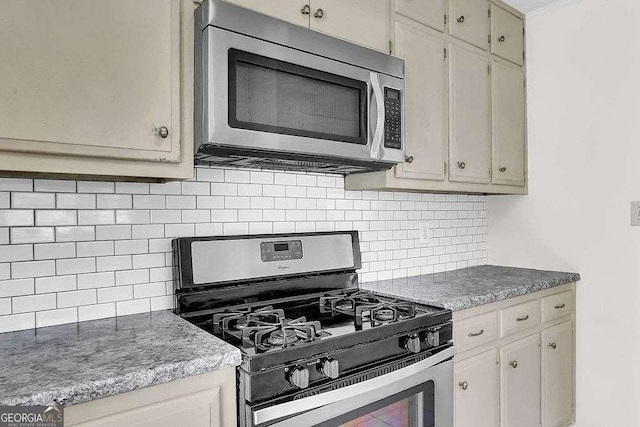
(635, 213)
(423, 232)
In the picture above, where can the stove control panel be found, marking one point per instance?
(329, 367)
(281, 251)
(299, 376)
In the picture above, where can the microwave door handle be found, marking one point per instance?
(383, 385)
(376, 142)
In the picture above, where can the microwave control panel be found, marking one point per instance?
(392, 118)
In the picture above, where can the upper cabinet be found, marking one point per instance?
(470, 21)
(361, 21)
(96, 88)
(428, 12)
(507, 35)
(465, 130)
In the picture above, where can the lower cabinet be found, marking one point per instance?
(207, 400)
(524, 376)
(520, 382)
(476, 392)
(557, 381)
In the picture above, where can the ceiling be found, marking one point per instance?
(528, 6)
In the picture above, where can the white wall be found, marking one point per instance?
(584, 161)
(82, 250)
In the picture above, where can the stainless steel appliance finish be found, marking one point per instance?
(270, 94)
(317, 351)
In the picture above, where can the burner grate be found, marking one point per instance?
(366, 307)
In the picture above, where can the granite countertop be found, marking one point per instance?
(470, 287)
(84, 361)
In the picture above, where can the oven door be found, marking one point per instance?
(419, 395)
(259, 95)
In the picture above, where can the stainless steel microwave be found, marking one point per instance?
(273, 95)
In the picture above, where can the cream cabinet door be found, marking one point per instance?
(507, 32)
(469, 21)
(361, 21)
(91, 78)
(469, 115)
(508, 124)
(520, 383)
(425, 103)
(557, 374)
(293, 11)
(476, 391)
(427, 12)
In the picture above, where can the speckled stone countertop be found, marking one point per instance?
(470, 287)
(84, 361)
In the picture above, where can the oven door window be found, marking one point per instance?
(274, 96)
(411, 408)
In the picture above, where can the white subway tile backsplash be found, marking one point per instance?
(121, 234)
(56, 317)
(16, 184)
(51, 217)
(33, 303)
(54, 250)
(97, 311)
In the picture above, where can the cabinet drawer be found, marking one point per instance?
(469, 21)
(476, 330)
(519, 317)
(558, 305)
(507, 36)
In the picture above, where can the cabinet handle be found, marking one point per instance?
(462, 165)
(163, 132)
(463, 385)
(408, 159)
(503, 169)
(461, 19)
(476, 334)
(319, 13)
(513, 364)
(553, 345)
(306, 9)
(559, 306)
(501, 39)
(522, 319)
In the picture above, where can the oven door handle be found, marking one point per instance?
(376, 141)
(366, 387)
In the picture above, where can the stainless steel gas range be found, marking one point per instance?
(316, 350)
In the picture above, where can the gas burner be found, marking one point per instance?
(282, 337)
(234, 322)
(366, 307)
(384, 314)
(285, 334)
(346, 303)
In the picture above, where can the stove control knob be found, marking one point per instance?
(412, 344)
(433, 338)
(330, 368)
(299, 376)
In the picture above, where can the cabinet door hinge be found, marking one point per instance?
(445, 19)
(390, 46)
(573, 332)
(524, 83)
(489, 69)
(445, 53)
(489, 12)
(445, 168)
(489, 38)
(489, 172)
(497, 361)
(524, 55)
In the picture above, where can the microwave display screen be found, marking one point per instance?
(274, 96)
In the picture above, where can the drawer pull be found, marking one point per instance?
(513, 364)
(522, 319)
(559, 306)
(501, 39)
(476, 334)
(461, 19)
(463, 385)
(553, 345)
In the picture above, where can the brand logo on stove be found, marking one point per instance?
(283, 267)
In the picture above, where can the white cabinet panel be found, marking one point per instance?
(288, 10)
(507, 35)
(361, 21)
(469, 21)
(476, 391)
(508, 123)
(557, 374)
(91, 78)
(425, 104)
(469, 115)
(520, 383)
(427, 12)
